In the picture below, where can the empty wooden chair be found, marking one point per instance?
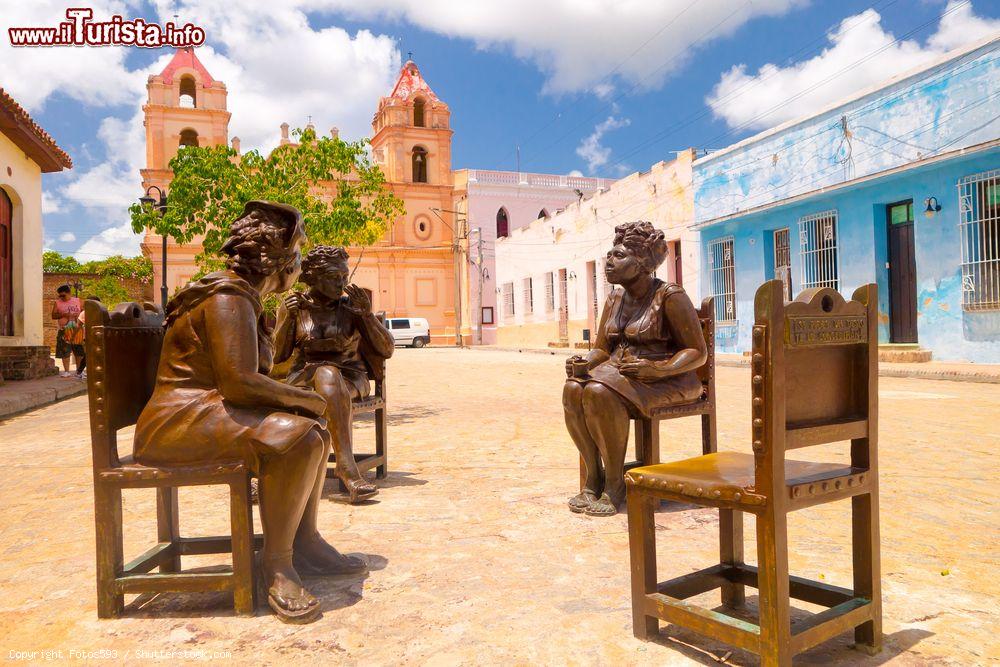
(647, 429)
(814, 381)
(123, 351)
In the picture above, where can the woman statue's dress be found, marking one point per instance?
(187, 420)
(646, 335)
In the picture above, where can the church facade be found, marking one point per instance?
(420, 267)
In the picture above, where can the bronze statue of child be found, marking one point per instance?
(649, 344)
(331, 336)
(214, 401)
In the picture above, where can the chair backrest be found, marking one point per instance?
(814, 375)
(706, 373)
(123, 352)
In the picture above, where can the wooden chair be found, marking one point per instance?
(814, 381)
(647, 429)
(375, 403)
(123, 351)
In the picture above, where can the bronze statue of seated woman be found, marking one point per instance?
(648, 347)
(214, 401)
(331, 336)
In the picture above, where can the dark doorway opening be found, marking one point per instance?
(902, 273)
(6, 265)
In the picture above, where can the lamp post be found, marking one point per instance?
(160, 204)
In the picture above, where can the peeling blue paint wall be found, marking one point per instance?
(950, 106)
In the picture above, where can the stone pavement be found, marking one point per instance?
(21, 395)
(476, 558)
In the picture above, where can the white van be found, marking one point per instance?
(409, 331)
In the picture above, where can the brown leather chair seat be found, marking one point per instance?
(730, 476)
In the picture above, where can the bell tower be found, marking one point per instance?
(185, 106)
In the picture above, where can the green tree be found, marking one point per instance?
(53, 262)
(105, 276)
(211, 185)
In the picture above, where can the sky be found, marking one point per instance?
(594, 87)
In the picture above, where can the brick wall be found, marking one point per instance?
(137, 291)
(26, 362)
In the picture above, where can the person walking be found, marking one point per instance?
(69, 340)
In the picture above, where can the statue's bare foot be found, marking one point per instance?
(316, 557)
(580, 502)
(606, 505)
(291, 602)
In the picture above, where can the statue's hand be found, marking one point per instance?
(358, 301)
(293, 302)
(640, 369)
(569, 364)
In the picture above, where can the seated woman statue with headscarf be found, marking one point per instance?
(648, 347)
(214, 401)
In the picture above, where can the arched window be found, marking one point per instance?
(418, 112)
(419, 164)
(189, 138)
(503, 224)
(543, 214)
(188, 93)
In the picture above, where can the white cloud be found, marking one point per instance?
(592, 150)
(95, 76)
(67, 237)
(756, 100)
(576, 43)
(575, 172)
(117, 240)
(50, 203)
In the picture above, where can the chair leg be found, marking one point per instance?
(642, 555)
(647, 440)
(241, 519)
(381, 444)
(168, 524)
(867, 570)
(773, 600)
(731, 553)
(583, 474)
(110, 558)
(709, 435)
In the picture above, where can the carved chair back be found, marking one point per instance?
(706, 373)
(123, 352)
(814, 377)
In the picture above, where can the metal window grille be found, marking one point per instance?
(594, 305)
(783, 261)
(818, 237)
(979, 222)
(529, 296)
(722, 267)
(550, 292)
(508, 299)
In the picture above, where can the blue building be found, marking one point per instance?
(898, 185)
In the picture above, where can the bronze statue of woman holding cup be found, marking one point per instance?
(330, 334)
(649, 344)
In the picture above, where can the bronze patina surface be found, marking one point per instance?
(648, 349)
(334, 343)
(214, 401)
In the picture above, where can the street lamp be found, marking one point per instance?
(160, 205)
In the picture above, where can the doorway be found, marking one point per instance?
(6, 265)
(783, 261)
(902, 273)
(563, 306)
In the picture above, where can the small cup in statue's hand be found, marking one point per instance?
(581, 368)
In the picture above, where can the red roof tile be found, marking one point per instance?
(30, 137)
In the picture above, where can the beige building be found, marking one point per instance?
(550, 274)
(26, 152)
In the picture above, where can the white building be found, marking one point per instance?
(494, 204)
(26, 152)
(550, 273)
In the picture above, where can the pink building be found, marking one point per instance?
(494, 204)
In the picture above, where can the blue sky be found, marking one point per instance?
(599, 87)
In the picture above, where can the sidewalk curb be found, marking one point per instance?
(36, 397)
(919, 371)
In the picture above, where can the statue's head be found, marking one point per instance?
(325, 269)
(266, 241)
(638, 249)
